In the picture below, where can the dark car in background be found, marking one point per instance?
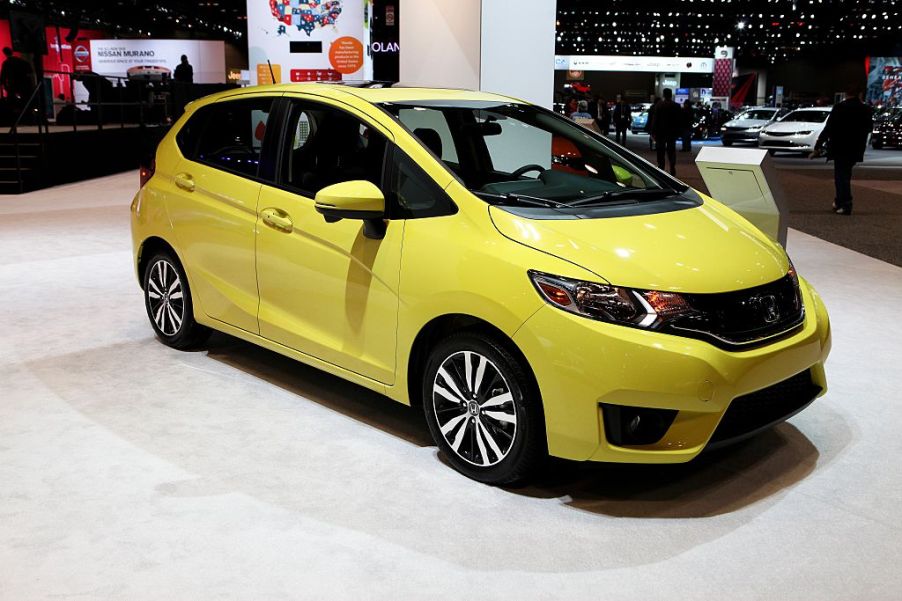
(887, 128)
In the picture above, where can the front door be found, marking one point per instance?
(325, 289)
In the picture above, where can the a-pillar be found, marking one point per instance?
(504, 46)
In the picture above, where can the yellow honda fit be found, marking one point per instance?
(535, 288)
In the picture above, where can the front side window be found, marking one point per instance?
(232, 135)
(510, 152)
(328, 146)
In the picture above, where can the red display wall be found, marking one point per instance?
(61, 57)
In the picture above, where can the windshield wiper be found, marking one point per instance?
(523, 199)
(634, 193)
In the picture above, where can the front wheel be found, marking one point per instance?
(167, 299)
(483, 410)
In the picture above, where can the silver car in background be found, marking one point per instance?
(746, 126)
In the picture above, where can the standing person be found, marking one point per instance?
(622, 118)
(602, 115)
(649, 118)
(845, 136)
(665, 129)
(15, 79)
(184, 72)
(686, 114)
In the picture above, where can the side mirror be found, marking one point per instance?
(356, 199)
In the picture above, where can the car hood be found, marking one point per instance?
(746, 123)
(793, 126)
(704, 249)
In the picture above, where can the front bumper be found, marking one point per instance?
(789, 143)
(582, 365)
(740, 136)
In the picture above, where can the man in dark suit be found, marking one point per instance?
(845, 136)
(622, 117)
(666, 127)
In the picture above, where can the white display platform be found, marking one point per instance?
(129, 470)
(744, 179)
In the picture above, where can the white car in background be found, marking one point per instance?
(796, 132)
(747, 125)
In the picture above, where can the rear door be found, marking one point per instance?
(226, 148)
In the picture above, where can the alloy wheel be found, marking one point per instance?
(165, 297)
(474, 408)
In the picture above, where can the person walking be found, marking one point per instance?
(622, 118)
(686, 125)
(184, 72)
(665, 129)
(845, 137)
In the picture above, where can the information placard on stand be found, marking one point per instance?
(745, 180)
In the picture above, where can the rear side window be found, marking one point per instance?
(231, 135)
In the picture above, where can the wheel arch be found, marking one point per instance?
(148, 248)
(452, 323)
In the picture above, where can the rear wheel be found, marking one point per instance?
(482, 409)
(167, 299)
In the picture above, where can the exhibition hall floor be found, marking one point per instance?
(129, 470)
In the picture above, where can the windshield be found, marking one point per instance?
(758, 114)
(521, 152)
(806, 116)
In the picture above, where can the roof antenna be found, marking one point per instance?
(272, 75)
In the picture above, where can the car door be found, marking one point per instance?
(326, 289)
(215, 212)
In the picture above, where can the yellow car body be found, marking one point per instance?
(265, 266)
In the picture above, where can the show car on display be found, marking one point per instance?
(748, 124)
(535, 288)
(797, 131)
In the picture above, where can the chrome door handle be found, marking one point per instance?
(185, 181)
(277, 219)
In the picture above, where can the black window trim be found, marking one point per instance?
(388, 172)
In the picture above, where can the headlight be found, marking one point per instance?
(613, 304)
(803, 133)
(754, 129)
(723, 129)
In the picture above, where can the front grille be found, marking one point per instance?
(759, 410)
(781, 134)
(743, 318)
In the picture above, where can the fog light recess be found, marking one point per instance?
(624, 426)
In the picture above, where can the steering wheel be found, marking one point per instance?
(526, 169)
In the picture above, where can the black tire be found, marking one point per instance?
(479, 438)
(167, 299)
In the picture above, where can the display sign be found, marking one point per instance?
(647, 64)
(308, 40)
(884, 80)
(116, 57)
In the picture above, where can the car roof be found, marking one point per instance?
(372, 92)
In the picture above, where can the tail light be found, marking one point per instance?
(146, 172)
